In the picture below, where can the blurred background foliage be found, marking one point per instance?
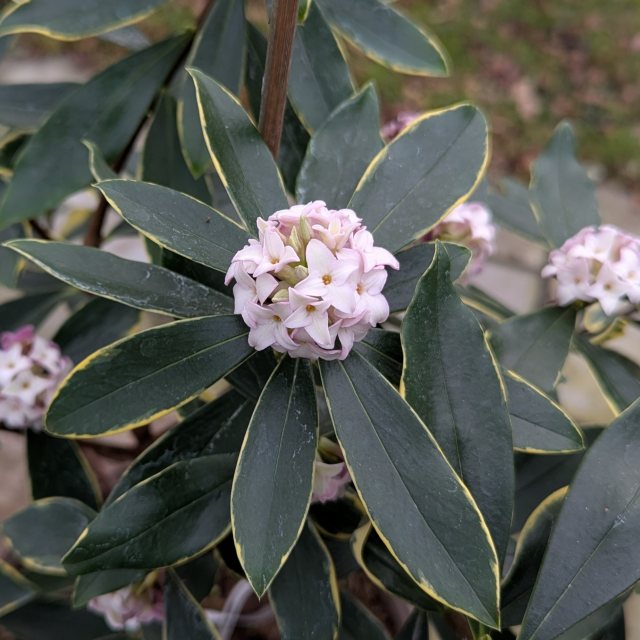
(527, 63)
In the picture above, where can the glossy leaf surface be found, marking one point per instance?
(219, 51)
(588, 561)
(536, 345)
(564, 196)
(319, 79)
(379, 431)
(137, 284)
(138, 379)
(305, 594)
(177, 221)
(386, 36)
(74, 19)
(539, 424)
(106, 110)
(451, 381)
(164, 520)
(340, 151)
(273, 481)
(239, 154)
(44, 531)
(428, 169)
(58, 467)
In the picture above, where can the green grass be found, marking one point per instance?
(580, 59)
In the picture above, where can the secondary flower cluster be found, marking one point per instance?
(131, 607)
(311, 285)
(31, 368)
(469, 224)
(598, 264)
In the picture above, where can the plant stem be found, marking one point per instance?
(39, 230)
(274, 92)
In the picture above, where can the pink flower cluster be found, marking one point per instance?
(31, 368)
(311, 285)
(131, 607)
(469, 224)
(598, 264)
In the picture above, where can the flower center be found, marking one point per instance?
(310, 308)
(326, 279)
(277, 318)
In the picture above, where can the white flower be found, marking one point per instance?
(311, 286)
(598, 264)
(31, 368)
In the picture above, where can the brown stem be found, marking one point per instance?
(276, 75)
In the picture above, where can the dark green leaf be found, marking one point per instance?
(451, 381)
(383, 570)
(401, 283)
(74, 19)
(536, 345)
(96, 584)
(15, 590)
(241, 158)
(216, 428)
(450, 556)
(294, 136)
(539, 476)
(44, 531)
(273, 481)
(563, 196)
(29, 622)
(95, 325)
(30, 309)
(199, 575)
(428, 169)
(251, 377)
(138, 379)
(57, 467)
(106, 110)
(162, 159)
(512, 210)
(11, 146)
(357, 623)
(164, 520)
(614, 629)
(415, 628)
(384, 351)
(27, 106)
(177, 221)
(137, 284)
(340, 151)
(319, 79)
(219, 51)
(184, 616)
(484, 304)
(100, 169)
(618, 377)
(594, 536)
(518, 583)
(9, 261)
(305, 595)
(386, 36)
(539, 424)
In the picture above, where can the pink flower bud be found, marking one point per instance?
(31, 368)
(598, 264)
(311, 286)
(329, 481)
(131, 607)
